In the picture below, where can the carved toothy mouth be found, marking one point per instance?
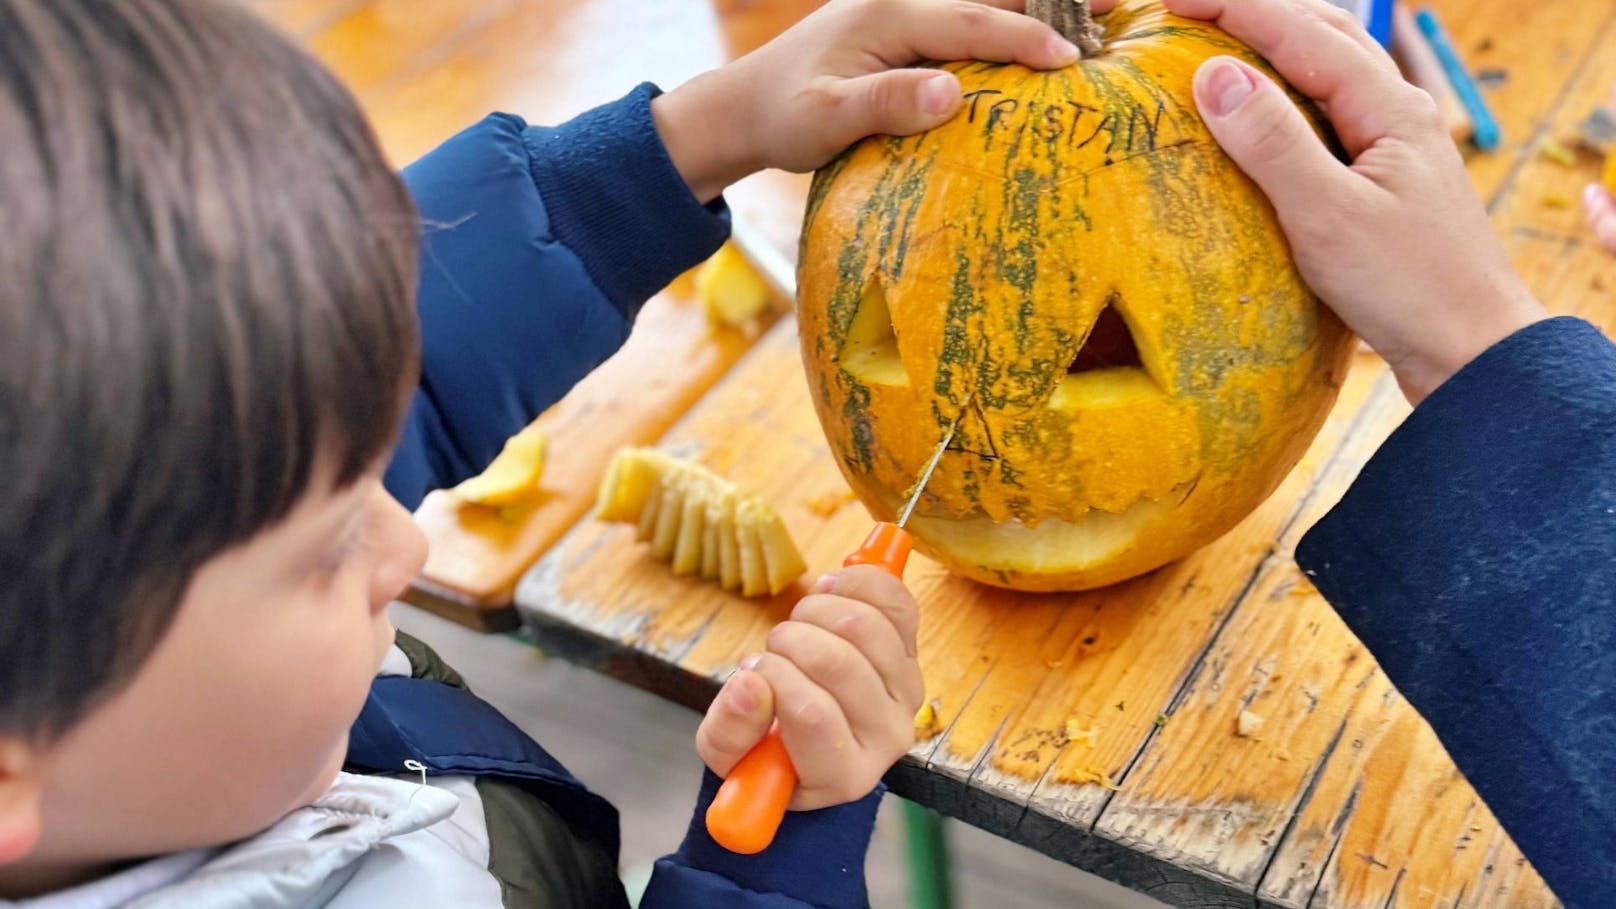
(1052, 544)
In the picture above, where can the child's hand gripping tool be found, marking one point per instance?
(751, 803)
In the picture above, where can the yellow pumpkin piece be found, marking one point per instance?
(647, 522)
(927, 722)
(687, 554)
(513, 476)
(670, 513)
(730, 289)
(782, 563)
(711, 548)
(1247, 724)
(700, 522)
(1079, 734)
(828, 504)
(754, 567)
(1610, 170)
(1073, 274)
(729, 555)
(630, 480)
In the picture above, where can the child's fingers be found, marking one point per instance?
(965, 30)
(1319, 53)
(877, 639)
(873, 585)
(835, 665)
(815, 731)
(1601, 209)
(896, 102)
(737, 720)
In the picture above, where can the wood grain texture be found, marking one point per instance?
(1343, 799)
(1538, 50)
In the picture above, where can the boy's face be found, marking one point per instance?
(241, 713)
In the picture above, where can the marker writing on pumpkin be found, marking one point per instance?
(1133, 131)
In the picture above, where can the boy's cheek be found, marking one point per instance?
(322, 780)
(383, 639)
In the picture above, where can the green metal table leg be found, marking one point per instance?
(929, 883)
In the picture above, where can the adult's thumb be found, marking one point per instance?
(1262, 130)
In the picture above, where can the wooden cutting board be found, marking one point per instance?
(673, 356)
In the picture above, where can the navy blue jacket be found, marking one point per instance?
(539, 247)
(1475, 557)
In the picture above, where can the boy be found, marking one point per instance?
(216, 408)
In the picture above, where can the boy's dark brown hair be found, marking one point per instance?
(207, 272)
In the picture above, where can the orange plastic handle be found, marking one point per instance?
(888, 546)
(749, 806)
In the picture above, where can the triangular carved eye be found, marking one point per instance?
(870, 348)
(1110, 345)
(1107, 369)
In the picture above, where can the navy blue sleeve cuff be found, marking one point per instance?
(1474, 558)
(816, 858)
(616, 199)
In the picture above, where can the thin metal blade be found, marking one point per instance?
(925, 475)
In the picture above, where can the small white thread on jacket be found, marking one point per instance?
(415, 766)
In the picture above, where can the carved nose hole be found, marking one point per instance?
(1109, 345)
(870, 348)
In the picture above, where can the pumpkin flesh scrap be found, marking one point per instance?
(512, 478)
(699, 522)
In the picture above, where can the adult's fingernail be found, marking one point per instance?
(1063, 51)
(741, 700)
(1227, 87)
(939, 94)
(1593, 196)
(824, 584)
(751, 661)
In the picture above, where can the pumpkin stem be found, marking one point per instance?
(1072, 19)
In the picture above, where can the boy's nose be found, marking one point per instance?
(402, 553)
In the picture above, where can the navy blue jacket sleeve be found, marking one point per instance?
(1475, 557)
(539, 244)
(816, 860)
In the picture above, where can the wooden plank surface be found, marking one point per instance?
(1535, 50)
(1099, 728)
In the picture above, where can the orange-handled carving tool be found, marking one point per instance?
(749, 806)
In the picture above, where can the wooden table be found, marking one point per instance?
(1098, 728)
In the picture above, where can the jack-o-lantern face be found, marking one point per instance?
(1074, 275)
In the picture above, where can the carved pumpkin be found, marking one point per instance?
(1074, 271)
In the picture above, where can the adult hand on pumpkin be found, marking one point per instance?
(841, 677)
(1600, 205)
(1395, 240)
(837, 76)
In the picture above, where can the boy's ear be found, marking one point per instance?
(20, 784)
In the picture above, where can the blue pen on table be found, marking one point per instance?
(1485, 132)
